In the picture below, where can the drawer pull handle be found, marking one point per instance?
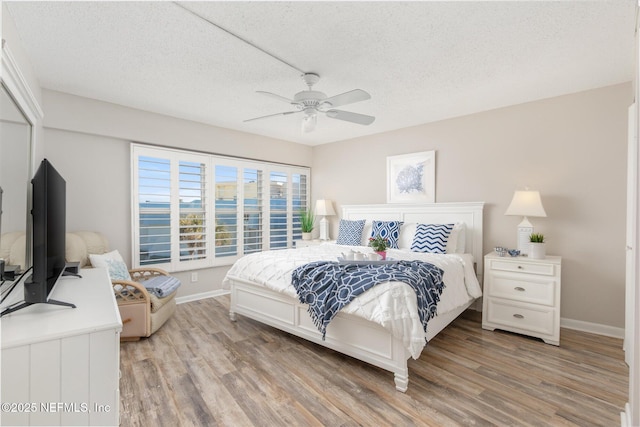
(519, 267)
(518, 288)
(518, 316)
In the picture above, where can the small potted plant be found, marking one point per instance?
(379, 245)
(307, 219)
(537, 246)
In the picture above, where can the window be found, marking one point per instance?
(194, 210)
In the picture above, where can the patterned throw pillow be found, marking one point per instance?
(113, 262)
(431, 238)
(389, 230)
(350, 232)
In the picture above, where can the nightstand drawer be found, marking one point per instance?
(537, 319)
(525, 288)
(523, 267)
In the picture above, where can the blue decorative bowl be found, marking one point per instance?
(514, 252)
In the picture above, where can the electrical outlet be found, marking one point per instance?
(194, 277)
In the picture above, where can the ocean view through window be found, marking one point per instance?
(194, 210)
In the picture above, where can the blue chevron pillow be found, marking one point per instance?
(431, 238)
(350, 232)
(389, 230)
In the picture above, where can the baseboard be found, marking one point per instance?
(203, 295)
(625, 421)
(594, 328)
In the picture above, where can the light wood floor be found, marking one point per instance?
(202, 369)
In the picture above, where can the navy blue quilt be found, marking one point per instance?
(328, 286)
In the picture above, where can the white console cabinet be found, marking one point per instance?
(60, 365)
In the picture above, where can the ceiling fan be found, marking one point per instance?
(311, 102)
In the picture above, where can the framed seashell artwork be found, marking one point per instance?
(411, 178)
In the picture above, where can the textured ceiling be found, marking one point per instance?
(420, 61)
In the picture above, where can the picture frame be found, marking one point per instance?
(411, 178)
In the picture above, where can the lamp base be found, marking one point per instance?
(523, 239)
(324, 228)
(525, 228)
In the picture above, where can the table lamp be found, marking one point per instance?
(324, 208)
(525, 203)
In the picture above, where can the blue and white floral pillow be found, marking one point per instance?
(431, 238)
(113, 262)
(350, 232)
(389, 230)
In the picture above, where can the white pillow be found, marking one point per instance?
(366, 233)
(407, 232)
(113, 262)
(457, 239)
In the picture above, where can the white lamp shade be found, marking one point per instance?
(324, 208)
(526, 203)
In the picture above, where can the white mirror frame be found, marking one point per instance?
(16, 84)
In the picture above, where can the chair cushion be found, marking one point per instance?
(159, 303)
(13, 248)
(82, 243)
(76, 250)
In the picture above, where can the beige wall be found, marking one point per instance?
(571, 148)
(88, 142)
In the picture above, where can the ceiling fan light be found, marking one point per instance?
(309, 123)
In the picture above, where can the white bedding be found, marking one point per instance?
(392, 305)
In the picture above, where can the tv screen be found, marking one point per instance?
(49, 232)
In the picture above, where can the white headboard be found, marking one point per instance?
(429, 213)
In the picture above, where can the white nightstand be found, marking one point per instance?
(522, 295)
(305, 243)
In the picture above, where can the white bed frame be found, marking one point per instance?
(348, 334)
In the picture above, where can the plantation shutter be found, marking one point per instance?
(154, 219)
(193, 213)
(278, 210)
(253, 210)
(226, 210)
(300, 202)
(195, 210)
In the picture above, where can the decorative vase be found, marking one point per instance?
(306, 236)
(537, 251)
(383, 254)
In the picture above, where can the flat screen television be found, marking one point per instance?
(48, 211)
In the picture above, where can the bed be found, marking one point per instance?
(260, 287)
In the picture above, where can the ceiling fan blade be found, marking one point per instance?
(278, 97)
(350, 97)
(272, 115)
(348, 116)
